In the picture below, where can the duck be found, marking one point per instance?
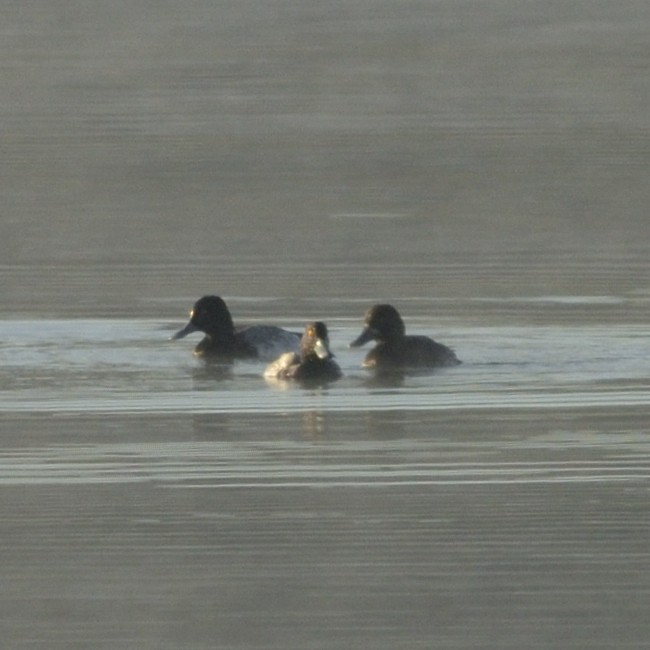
(314, 363)
(395, 350)
(224, 341)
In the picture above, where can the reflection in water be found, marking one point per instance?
(312, 386)
(314, 426)
(396, 377)
(385, 379)
(206, 374)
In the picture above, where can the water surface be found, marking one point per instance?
(505, 497)
(481, 165)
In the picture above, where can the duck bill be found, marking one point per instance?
(182, 333)
(368, 334)
(322, 349)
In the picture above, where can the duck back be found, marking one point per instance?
(411, 352)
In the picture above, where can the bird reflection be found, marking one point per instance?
(314, 425)
(204, 375)
(387, 379)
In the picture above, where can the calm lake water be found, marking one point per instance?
(483, 166)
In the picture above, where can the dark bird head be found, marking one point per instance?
(209, 315)
(382, 323)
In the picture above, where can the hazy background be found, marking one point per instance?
(154, 152)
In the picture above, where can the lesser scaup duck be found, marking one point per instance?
(314, 363)
(395, 350)
(223, 340)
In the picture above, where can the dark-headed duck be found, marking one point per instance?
(223, 340)
(314, 363)
(395, 350)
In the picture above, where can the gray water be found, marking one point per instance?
(481, 165)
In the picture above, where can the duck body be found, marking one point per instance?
(395, 350)
(223, 340)
(314, 363)
(410, 352)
